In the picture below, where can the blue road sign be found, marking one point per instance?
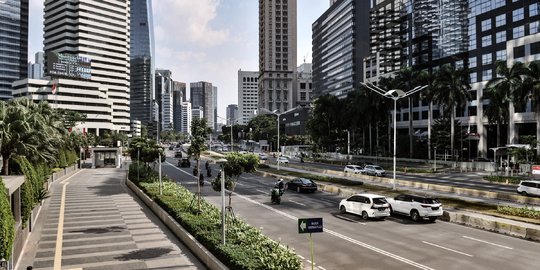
(310, 225)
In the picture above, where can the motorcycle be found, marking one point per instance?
(201, 180)
(275, 196)
(209, 172)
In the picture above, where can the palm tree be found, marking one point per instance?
(510, 80)
(532, 82)
(497, 111)
(406, 80)
(452, 92)
(429, 79)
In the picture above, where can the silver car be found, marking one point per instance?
(374, 170)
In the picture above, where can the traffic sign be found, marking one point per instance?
(310, 225)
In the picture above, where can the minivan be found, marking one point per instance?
(529, 187)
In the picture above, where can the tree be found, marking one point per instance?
(234, 167)
(508, 85)
(324, 123)
(199, 133)
(452, 93)
(532, 82)
(7, 224)
(429, 79)
(497, 111)
(263, 127)
(407, 79)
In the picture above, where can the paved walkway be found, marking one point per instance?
(103, 226)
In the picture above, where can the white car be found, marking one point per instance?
(529, 187)
(366, 205)
(283, 160)
(356, 169)
(417, 207)
(374, 170)
(263, 156)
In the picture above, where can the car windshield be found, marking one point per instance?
(379, 200)
(356, 167)
(306, 181)
(430, 201)
(377, 168)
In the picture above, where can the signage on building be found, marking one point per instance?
(535, 169)
(69, 66)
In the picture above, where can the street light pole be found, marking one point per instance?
(395, 143)
(278, 150)
(222, 206)
(232, 136)
(348, 144)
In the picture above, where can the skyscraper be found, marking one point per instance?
(201, 94)
(248, 95)
(102, 34)
(232, 113)
(164, 98)
(37, 69)
(304, 86)
(142, 61)
(214, 105)
(179, 89)
(13, 44)
(186, 118)
(277, 54)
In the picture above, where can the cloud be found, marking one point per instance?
(188, 21)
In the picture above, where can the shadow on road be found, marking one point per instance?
(101, 230)
(145, 254)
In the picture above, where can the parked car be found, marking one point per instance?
(283, 160)
(356, 169)
(417, 207)
(171, 147)
(366, 205)
(529, 187)
(263, 156)
(184, 162)
(301, 185)
(178, 154)
(374, 170)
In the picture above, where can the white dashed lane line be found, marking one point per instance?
(486, 242)
(449, 249)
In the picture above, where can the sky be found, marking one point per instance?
(205, 40)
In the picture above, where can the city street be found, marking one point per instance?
(349, 242)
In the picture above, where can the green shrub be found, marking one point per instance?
(139, 170)
(27, 201)
(7, 223)
(525, 212)
(502, 179)
(246, 248)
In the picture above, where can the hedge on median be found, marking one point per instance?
(503, 179)
(246, 247)
(7, 224)
(525, 212)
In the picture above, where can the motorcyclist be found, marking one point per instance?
(280, 185)
(207, 165)
(201, 179)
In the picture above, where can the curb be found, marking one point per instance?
(207, 258)
(448, 216)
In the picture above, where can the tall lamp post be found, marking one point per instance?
(275, 112)
(394, 94)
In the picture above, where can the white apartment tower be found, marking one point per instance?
(248, 95)
(185, 120)
(277, 54)
(100, 31)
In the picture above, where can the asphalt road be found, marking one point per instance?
(349, 242)
(464, 180)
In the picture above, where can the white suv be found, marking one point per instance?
(366, 205)
(354, 169)
(417, 207)
(530, 187)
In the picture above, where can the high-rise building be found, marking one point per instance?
(214, 113)
(197, 112)
(142, 61)
(13, 44)
(340, 44)
(186, 118)
(232, 113)
(164, 98)
(277, 54)
(37, 69)
(101, 33)
(304, 85)
(201, 94)
(248, 95)
(179, 89)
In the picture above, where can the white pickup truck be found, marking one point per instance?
(417, 207)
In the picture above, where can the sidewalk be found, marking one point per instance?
(103, 226)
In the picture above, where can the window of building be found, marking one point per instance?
(486, 25)
(486, 41)
(459, 64)
(472, 43)
(487, 59)
(500, 55)
(473, 77)
(500, 37)
(534, 9)
(487, 74)
(302, 85)
(519, 51)
(500, 20)
(472, 62)
(517, 14)
(303, 96)
(518, 32)
(535, 48)
(534, 27)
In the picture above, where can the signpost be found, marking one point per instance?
(310, 225)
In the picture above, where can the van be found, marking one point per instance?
(529, 187)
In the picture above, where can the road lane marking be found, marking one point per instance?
(449, 249)
(263, 192)
(380, 251)
(60, 230)
(486, 242)
(320, 267)
(351, 220)
(301, 257)
(297, 203)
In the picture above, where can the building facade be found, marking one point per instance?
(179, 90)
(13, 44)
(142, 61)
(186, 118)
(197, 113)
(164, 97)
(277, 54)
(136, 128)
(215, 105)
(340, 44)
(36, 70)
(201, 94)
(232, 113)
(248, 95)
(100, 31)
(304, 85)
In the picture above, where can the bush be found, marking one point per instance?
(7, 224)
(520, 212)
(246, 248)
(503, 179)
(139, 170)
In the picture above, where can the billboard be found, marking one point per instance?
(65, 65)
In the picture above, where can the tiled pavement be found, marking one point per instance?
(104, 227)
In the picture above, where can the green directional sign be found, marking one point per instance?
(310, 225)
